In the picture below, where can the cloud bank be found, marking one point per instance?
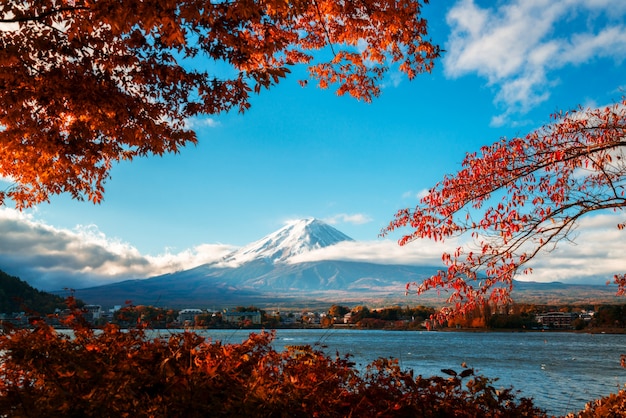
(594, 256)
(380, 252)
(517, 46)
(51, 259)
(355, 218)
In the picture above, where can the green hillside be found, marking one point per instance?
(17, 296)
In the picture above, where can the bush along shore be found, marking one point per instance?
(110, 372)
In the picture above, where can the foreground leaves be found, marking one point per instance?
(118, 373)
(89, 82)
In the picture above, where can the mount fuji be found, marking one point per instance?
(293, 239)
(264, 273)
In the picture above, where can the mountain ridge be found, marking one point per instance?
(261, 273)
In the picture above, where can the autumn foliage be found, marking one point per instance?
(516, 198)
(116, 373)
(85, 83)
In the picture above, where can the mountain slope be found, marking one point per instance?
(262, 271)
(16, 296)
(260, 283)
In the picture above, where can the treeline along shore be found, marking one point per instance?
(607, 318)
(20, 305)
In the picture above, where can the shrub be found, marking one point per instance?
(118, 373)
(611, 406)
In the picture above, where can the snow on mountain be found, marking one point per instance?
(294, 238)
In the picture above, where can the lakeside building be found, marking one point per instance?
(556, 319)
(237, 317)
(187, 317)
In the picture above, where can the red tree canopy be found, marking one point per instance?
(88, 82)
(548, 180)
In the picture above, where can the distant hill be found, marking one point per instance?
(286, 285)
(18, 296)
(557, 293)
(265, 274)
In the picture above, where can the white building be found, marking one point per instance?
(189, 315)
(236, 317)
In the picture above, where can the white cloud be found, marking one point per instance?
(422, 193)
(610, 42)
(198, 255)
(50, 258)
(421, 252)
(196, 123)
(594, 255)
(517, 46)
(356, 219)
(415, 195)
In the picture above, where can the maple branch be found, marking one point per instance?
(321, 20)
(569, 167)
(518, 174)
(533, 167)
(44, 15)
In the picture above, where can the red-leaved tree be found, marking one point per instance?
(516, 198)
(85, 83)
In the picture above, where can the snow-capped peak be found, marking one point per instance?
(296, 237)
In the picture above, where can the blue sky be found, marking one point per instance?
(304, 152)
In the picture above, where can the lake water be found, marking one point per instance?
(560, 371)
